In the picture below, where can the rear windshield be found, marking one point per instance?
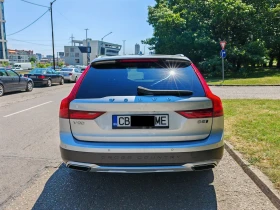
(123, 81)
(66, 69)
(38, 71)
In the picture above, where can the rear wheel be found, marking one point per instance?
(1, 90)
(61, 81)
(29, 87)
(76, 79)
(49, 83)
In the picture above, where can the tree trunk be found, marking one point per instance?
(278, 61)
(271, 62)
(238, 65)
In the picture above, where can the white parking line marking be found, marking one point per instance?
(27, 109)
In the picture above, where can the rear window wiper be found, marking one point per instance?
(141, 91)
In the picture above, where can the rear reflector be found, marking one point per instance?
(41, 77)
(193, 114)
(84, 115)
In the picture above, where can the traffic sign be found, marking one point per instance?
(223, 54)
(223, 44)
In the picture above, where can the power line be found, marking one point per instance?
(67, 19)
(29, 24)
(34, 4)
(29, 42)
(18, 40)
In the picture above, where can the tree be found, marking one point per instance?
(5, 63)
(60, 64)
(195, 28)
(32, 59)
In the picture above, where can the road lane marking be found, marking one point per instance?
(28, 109)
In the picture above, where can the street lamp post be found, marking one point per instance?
(87, 44)
(52, 34)
(102, 41)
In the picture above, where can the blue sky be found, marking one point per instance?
(127, 19)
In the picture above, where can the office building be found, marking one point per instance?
(74, 56)
(39, 56)
(3, 41)
(137, 49)
(20, 56)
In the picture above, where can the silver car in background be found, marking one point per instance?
(71, 74)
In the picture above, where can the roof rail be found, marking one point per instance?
(182, 55)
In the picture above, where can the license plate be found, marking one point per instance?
(32, 76)
(140, 121)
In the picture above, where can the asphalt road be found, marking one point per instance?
(32, 177)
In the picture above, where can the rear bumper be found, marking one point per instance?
(141, 157)
(40, 82)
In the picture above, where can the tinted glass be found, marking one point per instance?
(3, 73)
(100, 83)
(12, 74)
(38, 71)
(67, 70)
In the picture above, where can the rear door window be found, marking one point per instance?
(124, 80)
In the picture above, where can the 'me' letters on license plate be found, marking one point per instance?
(141, 121)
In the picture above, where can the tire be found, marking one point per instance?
(29, 87)
(49, 83)
(76, 79)
(61, 81)
(1, 90)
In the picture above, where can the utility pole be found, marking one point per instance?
(124, 47)
(72, 38)
(87, 44)
(52, 34)
(57, 58)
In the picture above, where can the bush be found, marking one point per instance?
(213, 67)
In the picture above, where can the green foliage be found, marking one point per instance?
(5, 63)
(195, 28)
(43, 65)
(60, 64)
(32, 59)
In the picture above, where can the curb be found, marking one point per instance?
(256, 175)
(244, 85)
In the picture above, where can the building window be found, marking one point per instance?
(66, 54)
(71, 49)
(77, 60)
(77, 55)
(72, 55)
(1, 50)
(66, 49)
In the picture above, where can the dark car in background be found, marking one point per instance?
(46, 77)
(11, 81)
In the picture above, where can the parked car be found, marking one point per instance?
(47, 77)
(17, 69)
(141, 114)
(11, 81)
(71, 74)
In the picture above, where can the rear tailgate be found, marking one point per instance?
(109, 93)
(178, 127)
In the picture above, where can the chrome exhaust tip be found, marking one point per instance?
(203, 167)
(79, 168)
